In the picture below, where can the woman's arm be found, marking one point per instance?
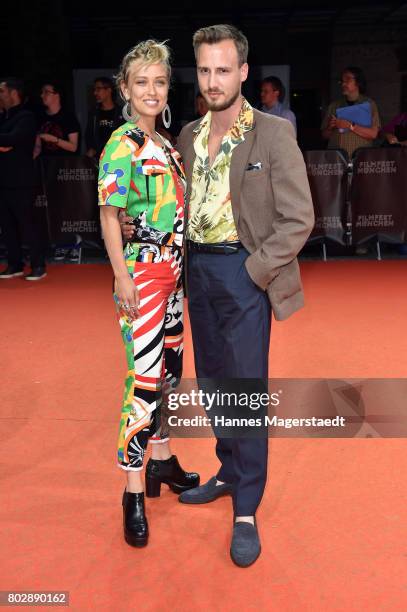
(125, 288)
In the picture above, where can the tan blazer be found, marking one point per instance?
(272, 206)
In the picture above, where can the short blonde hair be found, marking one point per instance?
(146, 52)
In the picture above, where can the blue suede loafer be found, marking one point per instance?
(245, 546)
(206, 493)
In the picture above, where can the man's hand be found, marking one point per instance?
(126, 226)
(48, 138)
(5, 149)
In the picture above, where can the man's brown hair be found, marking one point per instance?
(217, 33)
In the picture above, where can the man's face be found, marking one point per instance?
(268, 95)
(102, 92)
(6, 98)
(349, 85)
(219, 75)
(48, 95)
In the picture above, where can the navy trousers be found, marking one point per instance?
(230, 320)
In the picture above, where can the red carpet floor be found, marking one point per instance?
(333, 520)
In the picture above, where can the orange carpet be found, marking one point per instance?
(333, 521)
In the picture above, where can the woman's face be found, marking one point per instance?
(147, 88)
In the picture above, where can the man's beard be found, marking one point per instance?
(215, 107)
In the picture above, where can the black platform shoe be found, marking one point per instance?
(170, 472)
(134, 519)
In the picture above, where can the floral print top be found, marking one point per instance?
(210, 208)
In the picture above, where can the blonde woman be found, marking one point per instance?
(142, 174)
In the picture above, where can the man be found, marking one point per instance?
(272, 94)
(249, 214)
(104, 119)
(59, 128)
(17, 138)
(58, 136)
(343, 133)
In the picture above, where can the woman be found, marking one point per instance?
(140, 172)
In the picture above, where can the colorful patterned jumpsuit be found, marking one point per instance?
(148, 181)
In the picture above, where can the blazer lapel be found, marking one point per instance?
(238, 165)
(189, 159)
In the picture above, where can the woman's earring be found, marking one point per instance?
(166, 116)
(126, 111)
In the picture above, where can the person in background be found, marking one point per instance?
(103, 119)
(344, 134)
(17, 138)
(395, 132)
(58, 128)
(201, 105)
(58, 134)
(272, 94)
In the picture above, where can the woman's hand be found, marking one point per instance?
(128, 297)
(339, 124)
(126, 225)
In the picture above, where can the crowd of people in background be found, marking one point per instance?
(27, 132)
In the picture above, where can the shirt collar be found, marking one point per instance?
(275, 109)
(244, 122)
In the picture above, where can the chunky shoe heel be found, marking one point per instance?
(153, 486)
(171, 473)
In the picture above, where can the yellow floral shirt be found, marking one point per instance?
(210, 208)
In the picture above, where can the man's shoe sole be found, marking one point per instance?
(14, 275)
(35, 278)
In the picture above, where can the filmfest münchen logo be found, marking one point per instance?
(76, 174)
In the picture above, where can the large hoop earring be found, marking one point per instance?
(166, 116)
(126, 113)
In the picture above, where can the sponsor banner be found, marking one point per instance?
(379, 195)
(71, 191)
(327, 176)
(300, 408)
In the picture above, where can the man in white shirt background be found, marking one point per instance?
(272, 94)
